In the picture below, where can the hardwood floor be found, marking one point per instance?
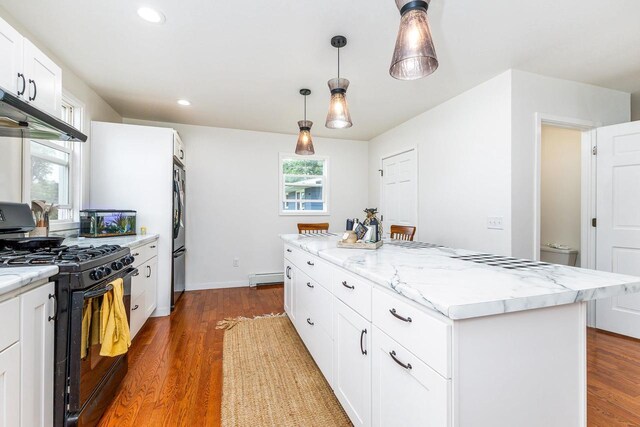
(175, 365)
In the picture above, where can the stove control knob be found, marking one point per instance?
(117, 265)
(127, 260)
(107, 271)
(96, 274)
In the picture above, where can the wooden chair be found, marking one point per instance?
(402, 232)
(319, 227)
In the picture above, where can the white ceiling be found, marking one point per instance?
(241, 63)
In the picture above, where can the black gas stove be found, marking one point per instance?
(84, 382)
(95, 263)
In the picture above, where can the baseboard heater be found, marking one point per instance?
(265, 279)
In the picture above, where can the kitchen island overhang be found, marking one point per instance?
(506, 346)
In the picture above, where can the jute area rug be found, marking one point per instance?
(270, 379)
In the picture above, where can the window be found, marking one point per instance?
(303, 185)
(52, 170)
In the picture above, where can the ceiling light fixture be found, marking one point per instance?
(304, 146)
(184, 102)
(414, 56)
(151, 15)
(338, 116)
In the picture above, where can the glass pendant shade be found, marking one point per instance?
(414, 56)
(338, 116)
(304, 146)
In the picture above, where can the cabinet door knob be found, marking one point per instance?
(310, 322)
(55, 307)
(344, 283)
(397, 316)
(362, 334)
(24, 84)
(148, 271)
(395, 359)
(35, 90)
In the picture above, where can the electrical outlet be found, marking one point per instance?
(495, 223)
(236, 262)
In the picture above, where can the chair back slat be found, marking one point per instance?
(402, 232)
(315, 228)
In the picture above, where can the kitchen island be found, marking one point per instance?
(417, 334)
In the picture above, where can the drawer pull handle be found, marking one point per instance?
(135, 307)
(287, 273)
(395, 359)
(310, 285)
(153, 247)
(310, 322)
(136, 254)
(344, 283)
(397, 316)
(289, 250)
(55, 307)
(362, 334)
(310, 263)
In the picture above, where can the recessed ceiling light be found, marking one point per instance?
(151, 15)
(184, 102)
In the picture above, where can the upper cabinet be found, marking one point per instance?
(178, 149)
(28, 73)
(11, 46)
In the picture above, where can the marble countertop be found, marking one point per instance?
(14, 278)
(460, 288)
(126, 241)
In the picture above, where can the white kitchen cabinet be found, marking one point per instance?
(11, 54)
(144, 285)
(37, 328)
(179, 151)
(28, 73)
(288, 288)
(405, 391)
(10, 381)
(352, 363)
(44, 80)
(151, 286)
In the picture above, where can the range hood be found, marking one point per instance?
(20, 119)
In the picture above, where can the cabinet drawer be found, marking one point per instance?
(320, 345)
(316, 268)
(316, 303)
(353, 291)
(406, 391)
(138, 316)
(290, 253)
(10, 321)
(144, 253)
(424, 335)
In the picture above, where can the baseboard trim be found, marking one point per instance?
(217, 285)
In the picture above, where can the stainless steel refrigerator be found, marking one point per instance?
(179, 250)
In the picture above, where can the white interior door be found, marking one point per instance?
(618, 227)
(399, 190)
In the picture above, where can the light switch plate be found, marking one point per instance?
(495, 223)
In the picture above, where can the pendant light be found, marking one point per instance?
(338, 116)
(304, 146)
(414, 56)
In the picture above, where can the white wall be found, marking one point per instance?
(635, 106)
(464, 158)
(560, 186)
(531, 94)
(95, 108)
(232, 199)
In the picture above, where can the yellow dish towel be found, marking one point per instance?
(115, 335)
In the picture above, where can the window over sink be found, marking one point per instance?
(52, 170)
(304, 185)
